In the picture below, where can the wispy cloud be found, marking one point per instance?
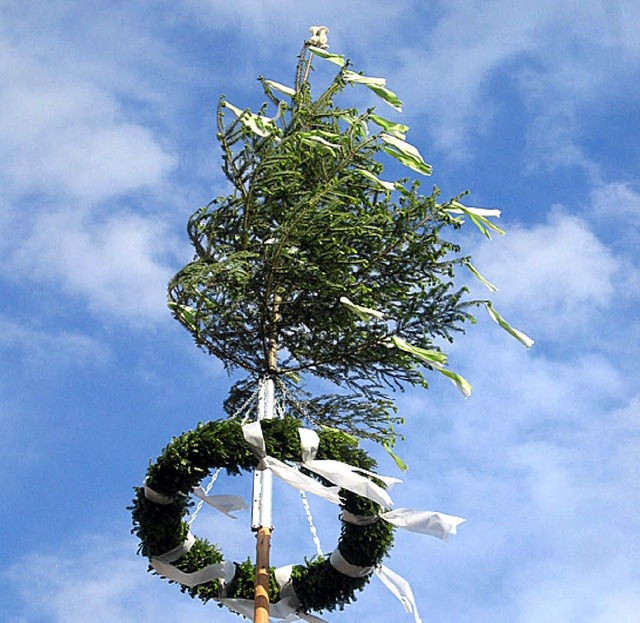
(119, 264)
(555, 276)
(615, 207)
(557, 63)
(49, 349)
(64, 135)
(94, 580)
(540, 461)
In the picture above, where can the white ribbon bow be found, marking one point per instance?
(346, 476)
(343, 475)
(253, 435)
(285, 608)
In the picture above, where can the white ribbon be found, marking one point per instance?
(341, 565)
(285, 608)
(301, 481)
(281, 609)
(283, 580)
(347, 477)
(359, 520)
(179, 551)
(310, 442)
(435, 524)
(343, 475)
(154, 496)
(253, 435)
(223, 571)
(400, 588)
(223, 503)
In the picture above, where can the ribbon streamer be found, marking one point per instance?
(394, 582)
(432, 523)
(223, 503)
(253, 435)
(154, 496)
(346, 476)
(179, 551)
(342, 475)
(301, 481)
(400, 588)
(435, 524)
(223, 571)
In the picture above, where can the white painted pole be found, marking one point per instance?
(262, 478)
(261, 519)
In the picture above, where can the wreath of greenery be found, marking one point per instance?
(189, 458)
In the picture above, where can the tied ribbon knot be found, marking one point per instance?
(342, 475)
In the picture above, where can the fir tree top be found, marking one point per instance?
(313, 264)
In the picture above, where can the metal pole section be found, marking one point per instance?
(261, 512)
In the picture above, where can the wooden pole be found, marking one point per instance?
(261, 597)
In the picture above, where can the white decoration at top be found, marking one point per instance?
(319, 37)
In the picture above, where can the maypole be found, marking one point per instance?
(262, 503)
(313, 266)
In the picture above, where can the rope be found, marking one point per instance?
(286, 396)
(247, 403)
(243, 407)
(214, 477)
(312, 527)
(279, 407)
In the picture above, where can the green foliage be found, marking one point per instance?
(189, 457)
(308, 224)
(354, 414)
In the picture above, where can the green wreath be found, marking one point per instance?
(220, 444)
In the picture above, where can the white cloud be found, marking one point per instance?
(78, 112)
(94, 580)
(554, 277)
(50, 349)
(119, 264)
(65, 136)
(540, 460)
(616, 207)
(555, 593)
(555, 59)
(284, 23)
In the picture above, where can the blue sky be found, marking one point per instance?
(107, 138)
